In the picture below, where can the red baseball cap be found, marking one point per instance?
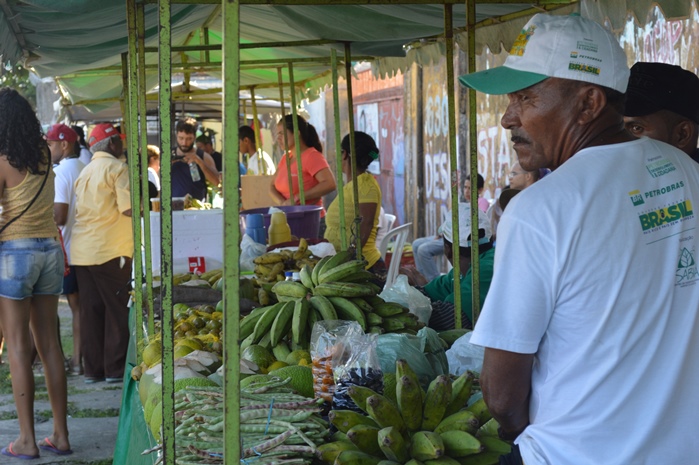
(61, 132)
(102, 131)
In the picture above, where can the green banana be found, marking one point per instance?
(247, 342)
(413, 462)
(484, 458)
(463, 420)
(480, 410)
(460, 393)
(363, 304)
(341, 271)
(344, 420)
(387, 309)
(460, 444)
(290, 289)
(282, 323)
(355, 457)
(365, 437)
(313, 317)
(359, 394)
(436, 400)
(393, 444)
(360, 277)
(444, 460)
(329, 451)
(451, 335)
(372, 319)
(489, 428)
(426, 445)
(409, 397)
(494, 444)
(331, 288)
(298, 321)
(388, 462)
(348, 310)
(376, 330)
(305, 276)
(390, 324)
(385, 413)
(333, 262)
(266, 340)
(247, 324)
(286, 298)
(266, 320)
(324, 307)
(374, 300)
(281, 351)
(339, 436)
(408, 319)
(316, 269)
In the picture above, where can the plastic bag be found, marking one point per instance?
(424, 353)
(403, 293)
(357, 364)
(464, 356)
(249, 251)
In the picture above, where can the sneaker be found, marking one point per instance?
(114, 380)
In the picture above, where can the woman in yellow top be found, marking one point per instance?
(369, 201)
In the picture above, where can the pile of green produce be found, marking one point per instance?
(276, 424)
(428, 428)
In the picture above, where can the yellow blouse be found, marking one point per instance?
(369, 192)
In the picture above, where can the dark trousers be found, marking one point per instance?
(513, 458)
(104, 317)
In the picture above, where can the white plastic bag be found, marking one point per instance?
(463, 355)
(403, 293)
(249, 251)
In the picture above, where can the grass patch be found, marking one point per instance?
(91, 412)
(8, 415)
(5, 379)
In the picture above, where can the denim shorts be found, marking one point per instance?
(30, 267)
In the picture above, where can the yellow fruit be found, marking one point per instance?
(301, 378)
(152, 353)
(277, 365)
(156, 421)
(194, 343)
(182, 350)
(295, 357)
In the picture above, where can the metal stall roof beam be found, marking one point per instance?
(166, 270)
(338, 148)
(453, 156)
(231, 202)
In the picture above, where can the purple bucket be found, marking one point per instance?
(304, 220)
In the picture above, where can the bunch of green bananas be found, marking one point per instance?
(421, 428)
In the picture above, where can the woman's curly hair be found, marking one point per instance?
(21, 138)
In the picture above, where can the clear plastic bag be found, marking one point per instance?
(403, 293)
(249, 251)
(423, 352)
(463, 355)
(357, 365)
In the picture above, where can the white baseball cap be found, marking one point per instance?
(465, 226)
(565, 47)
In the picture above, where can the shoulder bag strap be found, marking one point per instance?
(43, 183)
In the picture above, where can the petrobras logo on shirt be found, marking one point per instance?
(636, 198)
(666, 215)
(686, 272)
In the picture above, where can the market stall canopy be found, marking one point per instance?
(81, 41)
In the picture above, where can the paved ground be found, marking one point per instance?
(93, 420)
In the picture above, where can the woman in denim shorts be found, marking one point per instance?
(31, 273)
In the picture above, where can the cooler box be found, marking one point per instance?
(197, 240)
(304, 220)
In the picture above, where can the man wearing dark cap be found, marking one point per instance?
(103, 258)
(595, 289)
(67, 166)
(662, 102)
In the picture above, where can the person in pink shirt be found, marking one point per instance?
(318, 180)
(483, 203)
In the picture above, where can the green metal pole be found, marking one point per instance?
(356, 234)
(131, 117)
(338, 148)
(453, 155)
(231, 261)
(297, 138)
(166, 263)
(473, 151)
(285, 137)
(142, 109)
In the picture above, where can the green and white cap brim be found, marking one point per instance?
(564, 47)
(501, 80)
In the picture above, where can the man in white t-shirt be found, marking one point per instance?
(67, 166)
(259, 161)
(592, 352)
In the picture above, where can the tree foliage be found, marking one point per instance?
(17, 77)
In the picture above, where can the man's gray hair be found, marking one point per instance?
(100, 146)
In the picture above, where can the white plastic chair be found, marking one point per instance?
(386, 221)
(398, 236)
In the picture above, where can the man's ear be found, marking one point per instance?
(684, 135)
(592, 101)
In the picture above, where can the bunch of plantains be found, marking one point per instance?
(337, 288)
(277, 426)
(421, 428)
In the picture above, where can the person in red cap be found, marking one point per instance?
(67, 166)
(103, 260)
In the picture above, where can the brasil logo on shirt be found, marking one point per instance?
(666, 215)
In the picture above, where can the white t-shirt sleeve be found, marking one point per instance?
(63, 190)
(520, 301)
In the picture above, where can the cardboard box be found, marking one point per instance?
(254, 191)
(197, 240)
